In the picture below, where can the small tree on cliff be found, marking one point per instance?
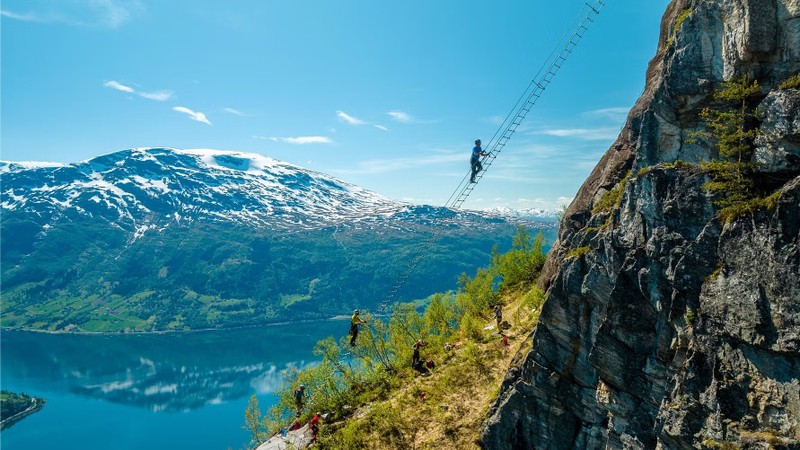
(729, 127)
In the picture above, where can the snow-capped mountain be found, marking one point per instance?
(138, 188)
(159, 239)
(147, 188)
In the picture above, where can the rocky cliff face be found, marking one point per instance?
(666, 327)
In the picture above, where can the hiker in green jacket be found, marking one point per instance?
(355, 321)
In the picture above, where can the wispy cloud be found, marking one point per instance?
(586, 134)
(118, 86)
(615, 114)
(400, 116)
(351, 120)
(300, 140)
(85, 13)
(194, 115)
(348, 119)
(160, 96)
(235, 112)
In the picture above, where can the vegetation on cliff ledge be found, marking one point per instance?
(373, 396)
(731, 126)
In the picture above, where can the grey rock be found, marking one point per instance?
(675, 330)
(778, 145)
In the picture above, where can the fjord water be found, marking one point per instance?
(154, 391)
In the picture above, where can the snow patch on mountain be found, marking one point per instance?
(142, 190)
(7, 166)
(139, 187)
(534, 214)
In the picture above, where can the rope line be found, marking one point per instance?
(558, 56)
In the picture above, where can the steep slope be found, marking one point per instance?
(161, 239)
(665, 326)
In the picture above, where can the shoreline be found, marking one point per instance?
(35, 407)
(198, 330)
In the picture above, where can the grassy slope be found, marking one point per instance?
(458, 394)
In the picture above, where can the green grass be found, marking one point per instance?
(678, 22)
(730, 213)
(577, 252)
(612, 198)
(791, 82)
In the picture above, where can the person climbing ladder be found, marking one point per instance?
(475, 159)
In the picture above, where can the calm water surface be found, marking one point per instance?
(151, 391)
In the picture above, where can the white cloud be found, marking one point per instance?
(400, 116)
(194, 115)
(300, 140)
(349, 119)
(587, 134)
(615, 113)
(381, 127)
(87, 13)
(118, 86)
(160, 96)
(235, 112)
(114, 13)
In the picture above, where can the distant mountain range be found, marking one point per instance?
(157, 238)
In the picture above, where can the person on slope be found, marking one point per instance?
(355, 321)
(475, 159)
(498, 315)
(314, 427)
(300, 398)
(415, 358)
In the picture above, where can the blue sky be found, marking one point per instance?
(385, 95)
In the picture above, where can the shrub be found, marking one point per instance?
(577, 252)
(349, 437)
(476, 294)
(734, 210)
(471, 327)
(523, 262)
(393, 429)
(474, 358)
(440, 316)
(729, 128)
(678, 22)
(612, 198)
(534, 298)
(791, 82)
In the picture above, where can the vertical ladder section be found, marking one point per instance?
(529, 98)
(507, 129)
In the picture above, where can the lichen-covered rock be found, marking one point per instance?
(665, 327)
(778, 143)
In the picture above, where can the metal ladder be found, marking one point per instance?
(507, 129)
(528, 99)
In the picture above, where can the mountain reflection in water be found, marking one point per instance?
(162, 372)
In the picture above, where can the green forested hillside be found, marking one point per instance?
(12, 404)
(84, 275)
(374, 396)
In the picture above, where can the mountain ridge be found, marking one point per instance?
(154, 239)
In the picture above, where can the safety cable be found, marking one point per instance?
(519, 111)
